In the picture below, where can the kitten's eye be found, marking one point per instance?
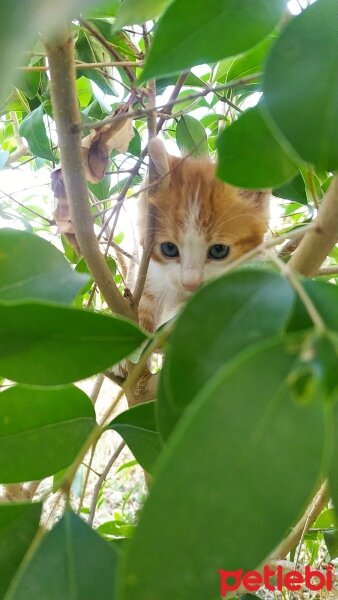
(170, 250)
(218, 251)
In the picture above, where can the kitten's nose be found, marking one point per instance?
(191, 279)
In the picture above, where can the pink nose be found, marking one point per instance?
(190, 286)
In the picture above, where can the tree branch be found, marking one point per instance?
(109, 47)
(316, 245)
(173, 101)
(67, 118)
(84, 65)
(148, 238)
(101, 480)
(305, 522)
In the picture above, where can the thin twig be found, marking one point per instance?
(10, 197)
(261, 248)
(328, 271)
(229, 103)
(86, 479)
(138, 113)
(109, 47)
(312, 186)
(130, 382)
(311, 514)
(152, 176)
(93, 65)
(302, 293)
(101, 480)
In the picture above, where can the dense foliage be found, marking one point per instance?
(243, 429)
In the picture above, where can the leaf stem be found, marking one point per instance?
(313, 313)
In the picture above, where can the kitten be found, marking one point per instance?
(200, 224)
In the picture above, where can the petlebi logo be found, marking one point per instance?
(276, 579)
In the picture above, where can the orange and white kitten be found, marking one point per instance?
(200, 224)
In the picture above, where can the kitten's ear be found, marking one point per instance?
(258, 198)
(159, 162)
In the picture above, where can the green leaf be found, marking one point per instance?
(31, 268)
(326, 520)
(294, 190)
(191, 137)
(107, 8)
(72, 562)
(135, 146)
(331, 541)
(251, 62)
(137, 426)
(137, 12)
(325, 298)
(307, 113)
(18, 525)
(20, 25)
(101, 189)
(50, 345)
(333, 469)
(116, 529)
(86, 53)
(41, 431)
(219, 500)
(29, 83)
(34, 130)
(250, 156)
(196, 32)
(223, 319)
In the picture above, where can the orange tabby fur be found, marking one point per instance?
(194, 210)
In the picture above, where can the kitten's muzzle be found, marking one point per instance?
(191, 279)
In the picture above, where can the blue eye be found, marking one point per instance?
(218, 251)
(169, 250)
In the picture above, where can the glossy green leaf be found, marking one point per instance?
(133, 12)
(229, 315)
(191, 137)
(33, 129)
(305, 54)
(50, 345)
(250, 156)
(294, 190)
(18, 525)
(223, 319)
(219, 498)
(72, 562)
(31, 268)
(137, 426)
(193, 32)
(41, 431)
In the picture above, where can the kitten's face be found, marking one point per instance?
(201, 224)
